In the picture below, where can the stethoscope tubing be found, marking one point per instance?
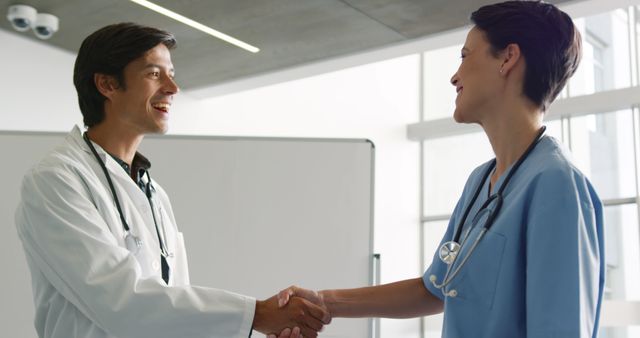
(161, 237)
(498, 198)
(129, 237)
(111, 186)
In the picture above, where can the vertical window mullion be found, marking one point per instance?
(631, 26)
(636, 147)
(566, 131)
(421, 98)
(636, 57)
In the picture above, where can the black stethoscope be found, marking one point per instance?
(132, 242)
(449, 251)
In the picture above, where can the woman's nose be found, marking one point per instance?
(454, 79)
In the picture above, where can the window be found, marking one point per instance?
(439, 95)
(594, 50)
(448, 161)
(606, 59)
(602, 147)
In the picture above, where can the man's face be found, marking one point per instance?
(143, 103)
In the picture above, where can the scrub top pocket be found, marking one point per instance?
(479, 276)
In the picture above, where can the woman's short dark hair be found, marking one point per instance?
(108, 51)
(548, 40)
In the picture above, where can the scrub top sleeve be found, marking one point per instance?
(438, 268)
(71, 245)
(564, 256)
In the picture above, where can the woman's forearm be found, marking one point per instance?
(404, 299)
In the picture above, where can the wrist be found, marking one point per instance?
(258, 316)
(328, 297)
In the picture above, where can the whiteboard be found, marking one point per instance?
(258, 214)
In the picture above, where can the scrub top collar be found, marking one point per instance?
(493, 189)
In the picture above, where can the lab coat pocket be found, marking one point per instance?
(479, 277)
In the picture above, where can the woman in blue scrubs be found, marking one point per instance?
(523, 255)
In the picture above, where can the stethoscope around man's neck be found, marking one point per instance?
(450, 250)
(132, 242)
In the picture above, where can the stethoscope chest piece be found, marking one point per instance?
(133, 243)
(449, 251)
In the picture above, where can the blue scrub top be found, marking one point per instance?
(539, 270)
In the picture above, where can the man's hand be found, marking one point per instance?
(284, 298)
(300, 314)
(293, 291)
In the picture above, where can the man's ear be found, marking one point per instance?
(106, 84)
(510, 57)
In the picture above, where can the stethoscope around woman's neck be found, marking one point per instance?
(450, 250)
(132, 242)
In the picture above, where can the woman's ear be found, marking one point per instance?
(106, 84)
(510, 57)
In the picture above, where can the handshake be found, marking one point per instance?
(294, 313)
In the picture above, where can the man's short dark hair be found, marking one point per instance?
(107, 51)
(548, 40)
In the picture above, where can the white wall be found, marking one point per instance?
(374, 101)
(37, 90)
(37, 87)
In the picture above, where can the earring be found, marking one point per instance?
(501, 70)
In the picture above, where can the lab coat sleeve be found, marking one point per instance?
(564, 256)
(65, 236)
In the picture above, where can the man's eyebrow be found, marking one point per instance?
(154, 65)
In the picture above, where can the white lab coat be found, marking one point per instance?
(86, 283)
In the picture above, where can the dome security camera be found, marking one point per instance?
(22, 17)
(45, 25)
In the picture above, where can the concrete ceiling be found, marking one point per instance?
(289, 32)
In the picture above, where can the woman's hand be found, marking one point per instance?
(288, 333)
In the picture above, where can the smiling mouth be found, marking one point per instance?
(458, 90)
(163, 107)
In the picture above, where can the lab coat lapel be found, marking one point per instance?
(135, 206)
(134, 203)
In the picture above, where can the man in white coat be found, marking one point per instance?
(105, 254)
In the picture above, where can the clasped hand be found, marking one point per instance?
(294, 312)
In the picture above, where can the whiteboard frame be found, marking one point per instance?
(373, 275)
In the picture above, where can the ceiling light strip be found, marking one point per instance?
(197, 25)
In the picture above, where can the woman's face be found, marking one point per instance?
(477, 80)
